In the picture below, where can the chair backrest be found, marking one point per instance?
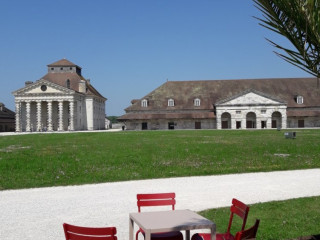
(241, 210)
(87, 233)
(156, 199)
(249, 233)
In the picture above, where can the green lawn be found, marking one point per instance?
(278, 220)
(40, 160)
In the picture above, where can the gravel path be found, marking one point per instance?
(38, 214)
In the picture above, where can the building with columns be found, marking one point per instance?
(228, 104)
(61, 100)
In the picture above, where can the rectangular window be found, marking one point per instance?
(301, 123)
(238, 112)
(197, 102)
(263, 111)
(144, 126)
(171, 125)
(197, 125)
(171, 103)
(238, 124)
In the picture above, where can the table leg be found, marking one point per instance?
(148, 235)
(213, 232)
(131, 229)
(187, 234)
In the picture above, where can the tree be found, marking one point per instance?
(298, 21)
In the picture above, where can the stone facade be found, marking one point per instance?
(62, 100)
(228, 104)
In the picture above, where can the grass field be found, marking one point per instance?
(278, 220)
(39, 160)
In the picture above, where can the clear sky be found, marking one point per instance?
(130, 47)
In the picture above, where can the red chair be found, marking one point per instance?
(88, 233)
(249, 233)
(238, 208)
(158, 199)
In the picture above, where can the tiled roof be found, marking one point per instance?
(7, 113)
(177, 115)
(212, 91)
(61, 78)
(63, 63)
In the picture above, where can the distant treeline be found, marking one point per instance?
(113, 119)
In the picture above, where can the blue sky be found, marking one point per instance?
(130, 47)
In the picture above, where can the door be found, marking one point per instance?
(144, 126)
(301, 123)
(197, 125)
(224, 124)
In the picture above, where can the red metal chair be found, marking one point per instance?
(88, 233)
(238, 208)
(158, 199)
(249, 233)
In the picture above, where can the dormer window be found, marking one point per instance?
(299, 99)
(170, 102)
(144, 103)
(197, 102)
(68, 83)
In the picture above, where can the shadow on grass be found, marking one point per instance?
(314, 237)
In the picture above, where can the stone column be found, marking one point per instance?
(71, 108)
(39, 116)
(218, 117)
(18, 117)
(284, 119)
(233, 123)
(60, 127)
(258, 122)
(49, 109)
(269, 122)
(28, 115)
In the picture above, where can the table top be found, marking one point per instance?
(166, 221)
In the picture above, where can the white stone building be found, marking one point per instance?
(61, 100)
(228, 104)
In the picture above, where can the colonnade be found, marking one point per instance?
(20, 118)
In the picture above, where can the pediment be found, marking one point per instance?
(43, 87)
(250, 97)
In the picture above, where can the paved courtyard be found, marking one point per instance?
(37, 214)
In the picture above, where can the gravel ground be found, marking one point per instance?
(38, 214)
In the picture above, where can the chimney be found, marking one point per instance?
(1, 106)
(28, 83)
(82, 86)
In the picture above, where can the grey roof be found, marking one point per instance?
(212, 91)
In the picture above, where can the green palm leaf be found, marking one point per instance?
(298, 21)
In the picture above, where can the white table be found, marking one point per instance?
(168, 221)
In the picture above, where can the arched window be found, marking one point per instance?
(170, 102)
(197, 102)
(144, 103)
(68, 83)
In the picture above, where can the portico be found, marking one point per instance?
(60, 101)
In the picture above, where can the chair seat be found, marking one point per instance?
(167, 236)
(206, 236)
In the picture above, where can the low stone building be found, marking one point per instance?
(228, 104)
(61, 100)
(7, 119)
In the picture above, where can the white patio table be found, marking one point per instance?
(168, 221)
